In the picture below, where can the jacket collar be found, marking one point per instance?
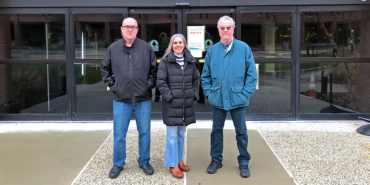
(124, 42)
(187, 57)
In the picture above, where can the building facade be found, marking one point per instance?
(313, 57)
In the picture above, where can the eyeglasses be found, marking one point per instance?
(227, 28)
(129, 27)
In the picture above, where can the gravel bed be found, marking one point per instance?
(320, 152)
(96, 171)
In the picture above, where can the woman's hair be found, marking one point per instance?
(169, 49)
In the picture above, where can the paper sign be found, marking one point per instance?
(196, 53)
(196, 40)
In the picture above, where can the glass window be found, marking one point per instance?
(334, 34)
(33, 88)
(346, 91)
(274, 89)
(209, 20)
(269, 34)
(94, 33)
(157, 30)
(93, 96)
(33, 36)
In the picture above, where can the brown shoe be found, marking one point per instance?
(183, 167)
(176, 172)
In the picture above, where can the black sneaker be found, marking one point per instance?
(212, 168)
(244, 171)
(115, 171)
(148, 169)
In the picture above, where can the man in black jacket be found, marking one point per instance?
(129, 69)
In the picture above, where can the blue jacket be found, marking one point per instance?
(229, 77)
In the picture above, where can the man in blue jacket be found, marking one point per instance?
(229, 79)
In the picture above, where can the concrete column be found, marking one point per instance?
(78, 30)
(143, 31)
(263, 28)
(270, 36)
(302, 36)
(363, 92)
(5, 53)
(5, 43)
(107, 32)
(16, 30)
(173, 25)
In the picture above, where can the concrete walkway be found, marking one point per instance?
(282, 153)
(263, 162)
(46, 157)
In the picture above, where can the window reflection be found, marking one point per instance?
(92, 94)
(334, 34)
(33, 36)
(209, 20)
(33, 88)
(274, 89)
(345, 91)
(94, 33)
(269, 34)
(157, 30)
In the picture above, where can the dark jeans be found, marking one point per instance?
(217, 135)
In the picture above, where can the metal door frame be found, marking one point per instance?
(42, 116)
(292, 9)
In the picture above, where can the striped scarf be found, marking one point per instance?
(180, 60)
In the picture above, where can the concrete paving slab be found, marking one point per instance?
(264, 165)
(46, 157)
(96, 171)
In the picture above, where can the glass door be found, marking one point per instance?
(156, 26)
(269, 31)
(207, 18)
(93, 30)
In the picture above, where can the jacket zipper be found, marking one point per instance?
(183, 90)
(132, 77)
(183, 95)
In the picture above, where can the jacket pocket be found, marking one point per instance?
(119, 65)
(237, 97)
(142, 62)
(122, 87)
(167, 96)
(214, 97)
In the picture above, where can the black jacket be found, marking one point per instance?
(130, 75)
(179, 89)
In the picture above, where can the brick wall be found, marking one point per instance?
(5, 69)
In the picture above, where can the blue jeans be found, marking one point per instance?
(174, 145)
(217, 136)
(121, 119)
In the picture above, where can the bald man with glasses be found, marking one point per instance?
(129, 70)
